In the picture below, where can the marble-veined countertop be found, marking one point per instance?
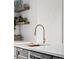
(51, 49)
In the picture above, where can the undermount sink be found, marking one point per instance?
(35, 45)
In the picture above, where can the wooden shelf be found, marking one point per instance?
(22, 9)
(22, 23)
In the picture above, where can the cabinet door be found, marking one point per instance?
(20, 53)
(15, 52)
(23, 52)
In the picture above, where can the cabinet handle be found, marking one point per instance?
(28, 57)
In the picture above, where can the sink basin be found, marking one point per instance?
(35, 45)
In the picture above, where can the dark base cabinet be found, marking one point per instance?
(25, 54)
(37, 55)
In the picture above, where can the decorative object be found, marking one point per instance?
(19, 6)
(17, 37)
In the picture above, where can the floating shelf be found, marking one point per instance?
(22, 23)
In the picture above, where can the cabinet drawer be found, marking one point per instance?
(39, 55)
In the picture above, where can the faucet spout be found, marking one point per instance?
(40, 25)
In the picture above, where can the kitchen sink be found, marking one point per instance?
(35, 45)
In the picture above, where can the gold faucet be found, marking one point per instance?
(43, 32)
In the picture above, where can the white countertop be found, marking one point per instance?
(56, 50)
